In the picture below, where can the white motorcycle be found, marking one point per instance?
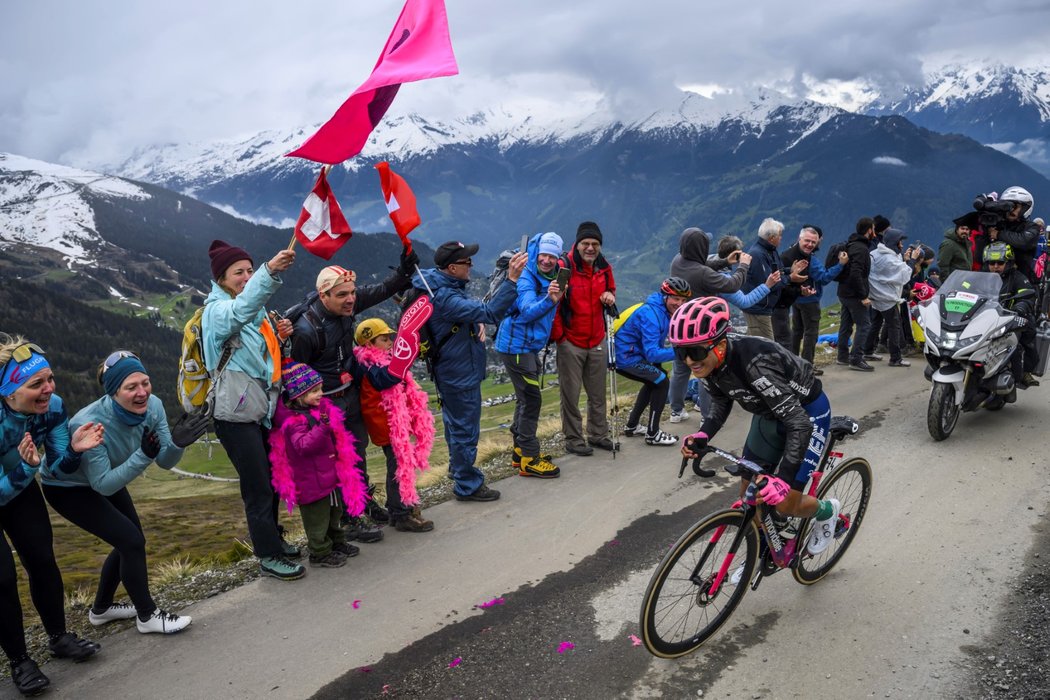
(970, 339)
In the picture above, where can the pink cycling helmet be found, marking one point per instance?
(700, 321)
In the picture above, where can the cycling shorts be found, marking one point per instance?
(767, 438)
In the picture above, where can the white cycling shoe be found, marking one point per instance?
(161, 622)
(823, 531)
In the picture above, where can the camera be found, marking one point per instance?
(990, 211)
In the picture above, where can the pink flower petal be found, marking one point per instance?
(613, 543)
(365, 669)
(357, 604)
(491, 603)
(565, 646)
(635, 642)
(455, 662)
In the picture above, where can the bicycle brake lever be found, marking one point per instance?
(681, 470)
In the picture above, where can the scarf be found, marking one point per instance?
(351, 480)
(408, 416)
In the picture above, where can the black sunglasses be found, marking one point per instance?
(696, 353)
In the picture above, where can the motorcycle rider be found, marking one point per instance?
(1018, 232)
(998, 259)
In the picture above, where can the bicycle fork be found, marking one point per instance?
(716, 583)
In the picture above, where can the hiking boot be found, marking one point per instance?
(413, 522)
(861, 366)
(116, 611)
(376, 512)
(484, 493)
(604, 444)
(872, 357)
(679, 416)
(281, 568)
(539, 467)
(823, 531)
(899, 363)
(69, 646)
(346, 548)
(1029, 379)
(161, 622)
(28, 678)
(332, 560)
(290, 550)
(515, 458)
(361, 531)
(581, 450)
(661, 438)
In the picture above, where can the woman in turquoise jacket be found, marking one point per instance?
(522, 334)
(32, 417)
(245, 393)
(95, 497)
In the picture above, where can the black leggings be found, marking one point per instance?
(652, 394)
(25, 522)
(113, 520)
(246, 446)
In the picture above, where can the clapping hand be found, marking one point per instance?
(188, 429)
(87, 436)
(28, 452)
(150, 443)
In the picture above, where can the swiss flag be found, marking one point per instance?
(322, 228)
(400, 202)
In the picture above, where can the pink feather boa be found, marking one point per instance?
(408, 416)
(351, 480)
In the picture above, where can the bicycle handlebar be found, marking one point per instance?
(738, 466)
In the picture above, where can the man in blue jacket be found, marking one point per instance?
(458, 328)
(805, 309)
(764, 261)
(519, 340)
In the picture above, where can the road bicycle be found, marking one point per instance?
(706, 573)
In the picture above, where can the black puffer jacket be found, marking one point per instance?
(766, 380)
(1023, 236)
(855, 286)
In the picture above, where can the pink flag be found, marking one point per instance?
(322, 228)
(418, 48)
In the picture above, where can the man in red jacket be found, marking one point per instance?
(579, 331)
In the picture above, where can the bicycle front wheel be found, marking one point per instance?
(692, 592)
(850, 483)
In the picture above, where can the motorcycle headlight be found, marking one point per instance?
(949, 341)
(970, 340)
(999, 333)
(930, 335)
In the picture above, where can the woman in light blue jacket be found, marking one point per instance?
(245, 393)
(95, 496)
(522, 334)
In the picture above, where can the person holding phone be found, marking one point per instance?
(522, 334)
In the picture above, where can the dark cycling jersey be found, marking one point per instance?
(775, 385)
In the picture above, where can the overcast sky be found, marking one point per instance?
(89, 82)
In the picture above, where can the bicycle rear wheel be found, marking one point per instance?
(850, 483)
(682, 608)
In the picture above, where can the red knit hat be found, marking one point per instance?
(223, 255)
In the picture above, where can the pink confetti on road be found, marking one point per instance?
(357, 604)
(455, 662)
(635, 642)
(365, 669)
(386, 689)
(565, 646)
(492, 603)
(613, 543)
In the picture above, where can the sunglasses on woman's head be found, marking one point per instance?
(696, 353)
(24, 351)
(116, 357)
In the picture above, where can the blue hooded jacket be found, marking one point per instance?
(528, 327)
(461, 363)
(49, 430)
(640, 339)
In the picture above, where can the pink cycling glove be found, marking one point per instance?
(696, 441)
(775, 491)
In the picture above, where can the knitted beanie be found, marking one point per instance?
(549, 243)
(588, 230)
(223, 255)
(298, 378)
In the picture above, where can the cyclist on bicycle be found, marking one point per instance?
(791, 413)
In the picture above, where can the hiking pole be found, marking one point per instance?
(543, 363)
(610, 362)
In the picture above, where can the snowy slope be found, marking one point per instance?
(43, 204)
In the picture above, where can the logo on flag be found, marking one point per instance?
(400, 202)
(322, 228)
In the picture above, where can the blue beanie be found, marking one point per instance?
(113, 377)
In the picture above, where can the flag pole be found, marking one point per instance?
(291, 244)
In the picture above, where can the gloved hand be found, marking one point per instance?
(150, 443)
(1020, 322)
(775, 491)
(406, 344)
(188, 429)
(409, 261)
(694, 443)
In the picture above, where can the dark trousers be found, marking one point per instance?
(25, 523)
(246, 446)
(321, 521)
(652, 395)
(782, 327)
(805, 327)
(113, 520)
(394, 504)
(854, 313)
(524, 371)
(890, 320)
(876, 330)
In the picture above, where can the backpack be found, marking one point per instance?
(304, 307)
(624, 315)
(195, 382)
(499, 273)
(832, 258)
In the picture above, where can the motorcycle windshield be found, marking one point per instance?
(963, 292)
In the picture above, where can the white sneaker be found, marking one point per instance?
(163, 623)
(679, 416)
(116, 611)
(661, 438)
(823, 531)
(737, 575)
